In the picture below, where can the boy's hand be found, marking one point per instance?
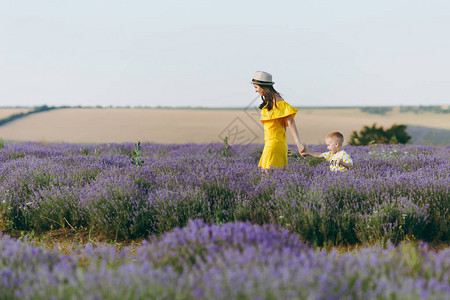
(338, 161)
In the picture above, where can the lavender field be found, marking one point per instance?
(232, 261)
(217, 228)
(393, 192)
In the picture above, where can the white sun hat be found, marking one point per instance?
(262, 78)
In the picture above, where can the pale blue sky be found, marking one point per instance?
(204, 53)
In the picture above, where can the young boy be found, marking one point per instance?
(338, 158)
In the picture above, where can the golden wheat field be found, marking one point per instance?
(179, 126)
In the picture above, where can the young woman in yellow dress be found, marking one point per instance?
(276, 115)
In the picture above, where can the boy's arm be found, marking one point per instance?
(314, 154)
(342, 163)
(346, 161)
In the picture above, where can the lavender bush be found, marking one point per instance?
(232, 261)
(393, 192)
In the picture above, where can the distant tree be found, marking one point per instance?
(443, 109)
(376, 110)
(41, 108)
(369, 135)
(399, 133)
(37, 109)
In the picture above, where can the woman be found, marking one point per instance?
(276, 114)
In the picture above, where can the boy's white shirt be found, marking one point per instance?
(344, 156)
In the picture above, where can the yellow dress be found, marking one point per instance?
(275, 144)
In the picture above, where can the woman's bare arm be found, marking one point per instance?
(293, 128)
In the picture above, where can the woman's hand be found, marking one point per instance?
(291, 123)
(301, 149)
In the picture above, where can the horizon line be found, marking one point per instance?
(215, 108)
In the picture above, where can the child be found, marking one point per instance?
(338, 158)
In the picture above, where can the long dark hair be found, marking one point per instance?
(268, 97)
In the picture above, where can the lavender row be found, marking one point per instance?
(393, 192)
(232, 261)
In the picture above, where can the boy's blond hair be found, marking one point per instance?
(337, 136)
